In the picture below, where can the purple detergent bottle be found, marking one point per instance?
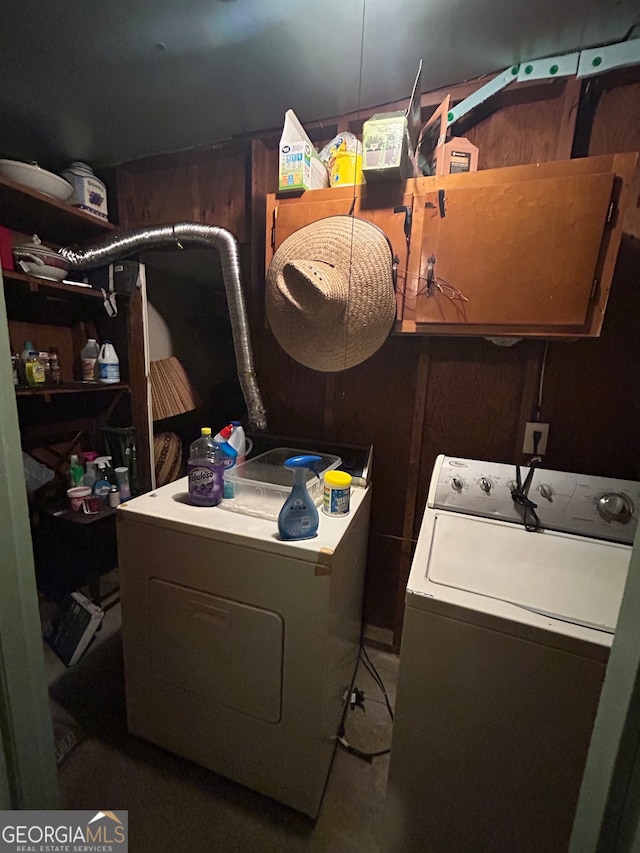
(205, 470)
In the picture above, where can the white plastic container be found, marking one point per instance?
(337, 493)
(108, 364)
(89, 193)
(88, 357)
(122, 476)
(239, 442)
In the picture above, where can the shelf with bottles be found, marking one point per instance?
(48, 389)
(32, 212)
(59, 349)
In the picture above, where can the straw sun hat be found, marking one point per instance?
(329, 293)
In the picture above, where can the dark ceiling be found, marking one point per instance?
(119, 80)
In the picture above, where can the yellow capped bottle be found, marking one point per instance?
(34, 370)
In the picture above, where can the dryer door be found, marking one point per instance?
(216, 648)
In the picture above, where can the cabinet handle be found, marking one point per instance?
(408, 217)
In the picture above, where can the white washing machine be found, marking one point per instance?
(510, 613)
(240, 649)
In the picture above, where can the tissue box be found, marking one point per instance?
(389, 140)
(300, 167)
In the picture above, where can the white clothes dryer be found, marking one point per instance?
(240, 649)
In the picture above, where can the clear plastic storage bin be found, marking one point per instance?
(261, 485)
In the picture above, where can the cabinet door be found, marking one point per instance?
(391, 212)
(514, 255)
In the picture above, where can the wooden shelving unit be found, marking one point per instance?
(35, 284)
(32, 212)
(64, 315)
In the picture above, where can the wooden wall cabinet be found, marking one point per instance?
(63, 316)
(390, 208)
(525, 251)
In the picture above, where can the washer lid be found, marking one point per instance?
(570, 578)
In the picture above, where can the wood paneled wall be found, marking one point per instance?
(421, 396)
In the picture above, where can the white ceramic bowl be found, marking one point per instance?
(42, 271)
(39, 260)
(32, 176)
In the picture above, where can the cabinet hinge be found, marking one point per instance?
(611, 212)
(594, 288)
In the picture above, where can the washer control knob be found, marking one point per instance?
(485, 485)
(546, 491)
(457, 484)
(614, 506)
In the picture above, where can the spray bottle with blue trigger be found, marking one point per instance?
(298, 517)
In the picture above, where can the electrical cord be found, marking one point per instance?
(520, 498)
(364, 657)
(357, 701)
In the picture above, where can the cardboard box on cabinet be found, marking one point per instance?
(300, 167)
(437, 153)
(389, 140)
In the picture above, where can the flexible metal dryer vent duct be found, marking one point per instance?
(127, 243)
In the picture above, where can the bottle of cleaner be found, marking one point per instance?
(88, 358)
(298, 517)
(122, 478)
(238, 440)
(102, 486)
(76, 471)
(24, 357)
(90, 475)
(230, 455)
(205, 470)
(34, 370)
(219, 437)
(108, 364)
(108, 469)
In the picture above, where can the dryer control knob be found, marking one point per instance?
(457, 484)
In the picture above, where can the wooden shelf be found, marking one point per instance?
(71, 388)
(73, 517)
(35, 284)
(30, 212)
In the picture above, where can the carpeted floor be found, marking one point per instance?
(175, 805)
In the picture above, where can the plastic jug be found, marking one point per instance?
(205, 470)
(108, 364)
(88, 357)
(240, 442)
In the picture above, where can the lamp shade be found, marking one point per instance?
(171, 392)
